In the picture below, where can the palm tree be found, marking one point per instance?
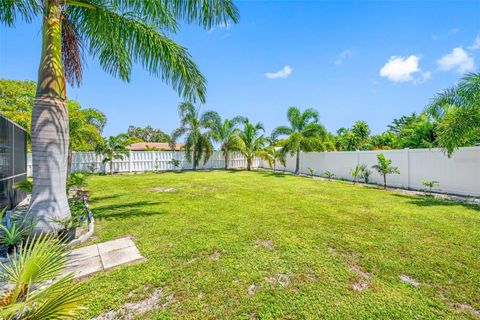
(118, 33)
(31, 294)
(384, 167)
(273, 154)
(194, 126)
(457, 110)
(356, 172)
(112, 148)
(251, 141)
(304, 134)
(224, 133)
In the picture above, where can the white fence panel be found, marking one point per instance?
(459, 174)
(140, 161)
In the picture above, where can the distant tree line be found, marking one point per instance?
(450, 121)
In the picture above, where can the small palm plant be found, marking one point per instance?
(430, 184)
(273, 155)
(329, 175)
(12, 235)
(311, 170)
(31, 294)
(384, 167)
(366, 173)
(356, 173)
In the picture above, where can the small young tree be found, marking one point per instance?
(329, 175)
(384, 167)
(366, 173)
(356, 173)
(311, 170)
(430, 184)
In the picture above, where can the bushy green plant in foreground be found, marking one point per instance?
(30, 294)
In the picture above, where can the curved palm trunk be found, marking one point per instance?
(50, 134)
(297, 165)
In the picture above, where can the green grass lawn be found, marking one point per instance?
(262, 245)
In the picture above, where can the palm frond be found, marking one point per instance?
(206, 13)
(118, 40)
(11, 10)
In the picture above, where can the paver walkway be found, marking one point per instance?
(87, 260)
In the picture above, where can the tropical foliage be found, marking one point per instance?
(457, 110)
(147, 134)
(85, 124)
(305, 133)
(31, 294)
(119, 34)
(251, 141)
(224, 132)
(273, 155)
(384, 167)
(115, 147)
(195, 127)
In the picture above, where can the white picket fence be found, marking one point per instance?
(459, 174)
(141, 161)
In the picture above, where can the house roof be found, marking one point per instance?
(163, 146)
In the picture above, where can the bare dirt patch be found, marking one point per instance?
(409, 280)
(268, 244)
(216, 255)
(363, 280)
(132, 309)
(252, 289)
(162, 189)
(282, 280)
(461, 307)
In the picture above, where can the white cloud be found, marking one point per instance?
(453, 31)
(345, 54)
(285, 72)
(400, 69)
(475, 45)
(458, 60)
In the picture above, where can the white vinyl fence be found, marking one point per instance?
(140, 161)
(459, 174)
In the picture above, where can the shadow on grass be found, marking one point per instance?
(125, 210)
(430, 201)
(271, 174)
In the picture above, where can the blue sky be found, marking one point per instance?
(371, 61)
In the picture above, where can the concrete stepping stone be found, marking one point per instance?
(88, 260)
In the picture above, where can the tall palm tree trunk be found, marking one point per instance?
(49, 130)
(297, 165)
(225, 154)
(249, 164)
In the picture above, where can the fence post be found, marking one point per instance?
(407, 153)
(130, 161)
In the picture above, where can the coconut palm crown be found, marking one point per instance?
(225, 133)
(119, 34)
(251, 141)
(305, 133)
(195, 127)
(457, 110)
